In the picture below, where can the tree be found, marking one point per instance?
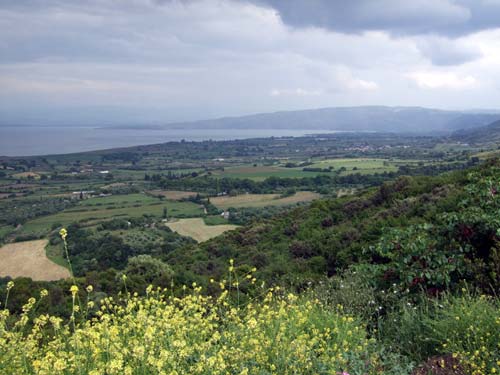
(143, 270)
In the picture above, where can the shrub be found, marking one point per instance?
(282, 334)
(469, 327)
(466, 326)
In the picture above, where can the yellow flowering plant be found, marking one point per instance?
(162, 334)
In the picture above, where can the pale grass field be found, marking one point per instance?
(262, 200)
(174, 195)
(26, 175)
(28, 259)
(198, 230)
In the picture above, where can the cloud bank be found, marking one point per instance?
(163, 61)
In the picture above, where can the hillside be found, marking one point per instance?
(330, 236)
(482, 135)
(413, 270)
(363, 118)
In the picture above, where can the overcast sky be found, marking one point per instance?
(152, 61)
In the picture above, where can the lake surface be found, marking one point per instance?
(41, 140)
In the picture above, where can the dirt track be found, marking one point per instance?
(28, 259)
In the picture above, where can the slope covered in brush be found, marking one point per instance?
(480, 135)
(416, 232)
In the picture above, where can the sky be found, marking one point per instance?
(157, 61)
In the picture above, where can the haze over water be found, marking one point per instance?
(36, 140)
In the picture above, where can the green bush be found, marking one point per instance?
(469, 327)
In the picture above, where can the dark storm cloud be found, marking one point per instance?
(397, 17)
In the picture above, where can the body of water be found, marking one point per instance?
(41, 140)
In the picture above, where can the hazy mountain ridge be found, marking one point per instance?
(364, 118)
(485, 134)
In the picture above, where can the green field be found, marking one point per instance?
(139, 174)
(214, 220)
(262, 200)
(5, 230)
(55, 254)
(359, 165)
(356, 165)
(119, 206)
(122, 200)
(260, 173)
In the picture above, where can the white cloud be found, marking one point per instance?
(443, 80)
(295, 92)
(352, 83)
(206, 58)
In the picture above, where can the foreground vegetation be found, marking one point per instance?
(271, 332)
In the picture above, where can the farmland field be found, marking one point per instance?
(28, 259)
(260, 173)
(118, 206)
(262, 200)
(359, 165)
(174, 195)
(355, 165)
(4, 230)
(198, 230)
(26, 175)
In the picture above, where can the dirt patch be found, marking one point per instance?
(198, 230)
(28, 259)
(175, 195)
(440, 365)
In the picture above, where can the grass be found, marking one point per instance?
(5, 231)
(362, 165)
(174, 195)
(262, 200)
(469, 327)
(55, 254)
(128, 174)
(487, 154)
(122, 200)
(198, 230)
(354, 165)
(214, 220)
(260, 173)
(132, 205)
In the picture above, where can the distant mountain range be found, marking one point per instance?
(365, 118)
(361, 118)
(483, 134)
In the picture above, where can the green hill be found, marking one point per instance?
(413, 273)
(482, 135)
(415, 232)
